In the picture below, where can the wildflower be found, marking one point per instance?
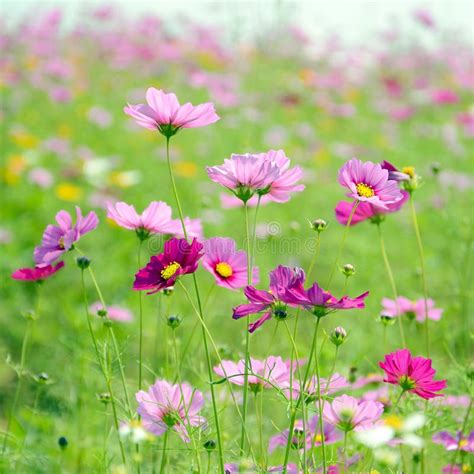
(348, 270)
(311, 438)
(455, 442)
(369, 182)
(319, 225)
(170, 407)
(164, 113)
(413, 374)
(37, 273)
(273, 302)
(411, 309)
(134, 431)
(116, 313)
(59, 239)
(338, 336)
(178, 258)
(347, 413)
(327, 386)
(226, 264)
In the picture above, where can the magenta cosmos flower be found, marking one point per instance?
(59, 239)
(366, 211)
(454, 442)
(170, 407)
(227, 264)
(347, 413)
(164, 113)
(155, 219)
(36, 273)
(369, 182)
(273, 302)
(413, 374)
(311, 438)
(271, 372)
(178, 258)
(411, 309)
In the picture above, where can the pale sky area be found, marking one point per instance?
(353, 20)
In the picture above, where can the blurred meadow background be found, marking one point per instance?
(325, 82)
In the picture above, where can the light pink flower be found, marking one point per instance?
(444, 96)
(116, 313)
(226, 263)
(412, 309)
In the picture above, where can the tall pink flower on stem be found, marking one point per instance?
(177, 259)
(167, 407)
(411, 309)
(347, 413)
(164, 113)
(412, 374)
(37, 273)
(59, 239)
(369, 182)
(227, 264)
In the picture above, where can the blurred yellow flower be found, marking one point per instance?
(15, 166)
(124, 179)
(322, 155)
(187, 169)
(351, 95)
(64, 130)
(24, 139)
(69, 192)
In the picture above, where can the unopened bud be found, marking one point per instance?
(173, 321)
(168, 291)
(83, 262)
(348, 270)
(387, 320)
(319, 225)
(104, 397)
(338, 336)
(435, 168)
(210, 445)
(62, 441)
(42, 377)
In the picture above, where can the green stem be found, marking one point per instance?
(392, 283)
(398, 400)
(140, 322)
(344, 452)
(258, 414)
(423, 272)
(341, 245)
(463, 429)
(163, 456)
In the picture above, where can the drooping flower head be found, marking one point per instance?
(311, 438)
(347, 413)
(455, 442)
(59, 239)
(170, 407)
(227, 264)
(178, 258)
(164, 113)
(411, 309)
(369, 182)
(413, 374)
(273, 302)
(37, 273)
(155, 219)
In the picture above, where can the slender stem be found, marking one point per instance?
(344, 455)
(392, 283)
(315, 256)
(341, 245)
(199, 305)
(463, 429)
(398, 400)
(258, 415)
(163, 455)
(140, 322)
(423, 272)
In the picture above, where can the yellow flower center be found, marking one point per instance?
(409, 170)
(364, 190)
(393, 421)
(318, 438)
(224, 269)
(61, 242)
(170, 270)
(466, 468)
(463, 443)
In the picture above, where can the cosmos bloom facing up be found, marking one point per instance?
(37, 273)
(165, 407)
(413, 374)
(59, 239)
(178, 258)
(412, 309)
(226, 263)
(273, 302)
(454, 442)
(347, 413)
(164, 113)
(369, 182)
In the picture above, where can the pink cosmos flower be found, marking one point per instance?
(270, 372)
(155, 219)
(455, 442)
(336, 383)
(59, 239)
(273, 302)
(347, 413)
(163, 112)
(366, 211)
(226, 263)
(311, 438)
(178, 258)
(37, 273)
(413, 374)
(116, 313)
(424, 17)
(444, 96)
(367, 379)
(412, 309)
(164, 407)
(369, 182)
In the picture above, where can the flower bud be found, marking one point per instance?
(83, 262)
(174, 321)
(29, 314)
(387, 320)
(107, 322)
(435, 168)
(338, 336)
(42, 377)
(210, 445)
(102, 313)
(62, 441)
(168, 291)
(142, 233)
(104, 397)
(319, 225)
(348, 270)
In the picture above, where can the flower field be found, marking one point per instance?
(235, 255)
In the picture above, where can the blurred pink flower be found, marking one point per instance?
(116, 313)
(444, 96)
(37, 273)
(41, 176)
(412, 309)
